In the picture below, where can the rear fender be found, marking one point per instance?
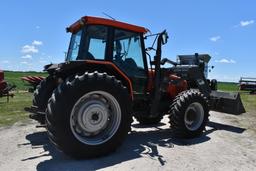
(112, 69)
(67, 69)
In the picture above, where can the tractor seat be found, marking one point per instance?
(131, 63)
(130, 66)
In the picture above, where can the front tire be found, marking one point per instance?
(90, 116)
(189, 114)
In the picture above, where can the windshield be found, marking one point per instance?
(92, 46)
(74, 46)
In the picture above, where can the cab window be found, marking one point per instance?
(127, 53)
(94, 43)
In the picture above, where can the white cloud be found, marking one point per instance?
(26, 56)
(227, 61)
(5, 62)
(215, 38)
(246, 23)
(37, 43)
(24, 62)
(29, 49)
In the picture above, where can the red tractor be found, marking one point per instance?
(108, 78)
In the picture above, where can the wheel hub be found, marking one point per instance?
(194, 116)
(92, 117)
(95, 117)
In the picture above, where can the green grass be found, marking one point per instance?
(15, 78)
(249, 102)
(14, 110)
(225, 86)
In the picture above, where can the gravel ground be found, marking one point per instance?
(227, 144)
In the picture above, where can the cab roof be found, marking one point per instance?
(86, 20)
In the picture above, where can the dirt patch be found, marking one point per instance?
(227, 144)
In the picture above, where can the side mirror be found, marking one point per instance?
(164, 37)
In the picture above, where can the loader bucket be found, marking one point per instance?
(227, 102)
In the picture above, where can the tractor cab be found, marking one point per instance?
(102, 40)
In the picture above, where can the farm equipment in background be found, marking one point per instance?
(5, 88)
(33, 81)
(89, 100)
(248, 84)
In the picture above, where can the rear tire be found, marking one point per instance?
(189, 114)
(90, 116)
(43, 92)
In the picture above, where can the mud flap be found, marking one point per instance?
(227, 102)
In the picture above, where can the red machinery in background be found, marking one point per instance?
(5, 88)
(33, 81)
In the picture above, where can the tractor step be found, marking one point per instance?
(227, 102)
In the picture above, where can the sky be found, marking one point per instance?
(32, 32)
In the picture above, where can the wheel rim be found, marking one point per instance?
(95, 118)
(194, 116)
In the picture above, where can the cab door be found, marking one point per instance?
(128, 56)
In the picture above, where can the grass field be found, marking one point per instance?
(14, 110)
(14, 78)
(225, 86)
